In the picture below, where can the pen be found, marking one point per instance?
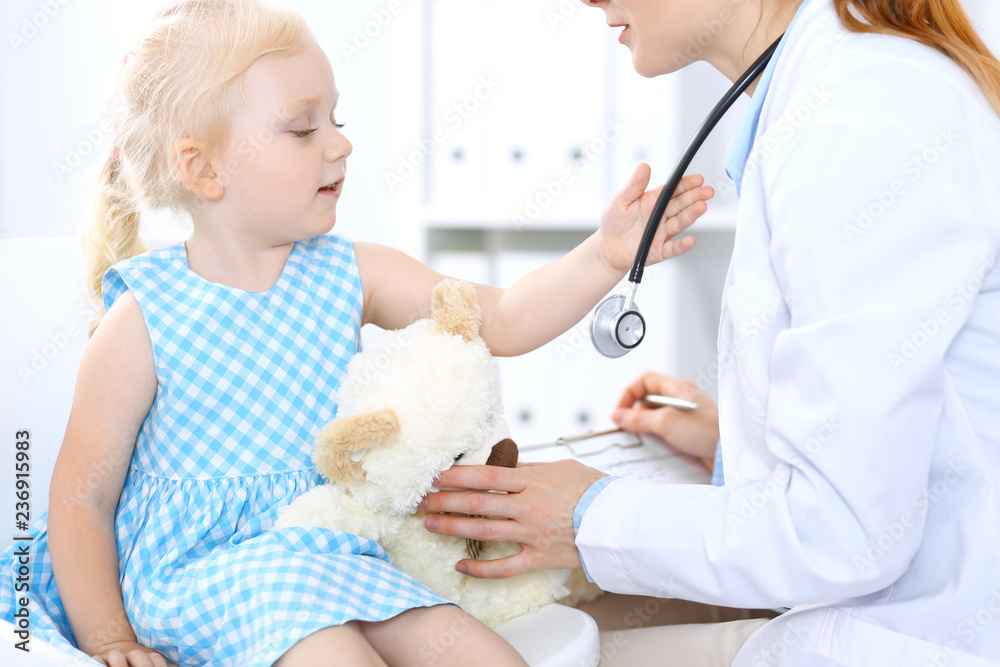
(679, 403)
(585, 436)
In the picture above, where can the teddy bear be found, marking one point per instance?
(410, 405)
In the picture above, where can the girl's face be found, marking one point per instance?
(286, 160)
(667, 35)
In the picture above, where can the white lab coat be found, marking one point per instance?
(859, 383)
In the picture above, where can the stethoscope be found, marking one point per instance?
(617, 326)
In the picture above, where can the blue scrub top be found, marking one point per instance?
(738, 154)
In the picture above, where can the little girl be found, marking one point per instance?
(203, 387)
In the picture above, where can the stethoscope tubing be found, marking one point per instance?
(713, 118)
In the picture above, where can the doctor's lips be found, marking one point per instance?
(624, 26)
(334, 188)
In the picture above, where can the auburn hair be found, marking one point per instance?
(940, 24)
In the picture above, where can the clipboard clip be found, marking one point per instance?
(592, 443)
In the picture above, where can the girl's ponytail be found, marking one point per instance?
(941, 24)
(114, 231)
(183, 79)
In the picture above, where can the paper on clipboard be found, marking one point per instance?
(646, 457)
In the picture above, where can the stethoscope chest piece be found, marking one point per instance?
(617, 326)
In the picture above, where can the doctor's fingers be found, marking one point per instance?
(545, 544)
(651, 382)
(477, 528)
(536, 491)
(529, 559)
(472, 502)
(691, 432)
(481, 477)
(501, 568)
(641, 419)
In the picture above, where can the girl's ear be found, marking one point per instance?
(194, 170)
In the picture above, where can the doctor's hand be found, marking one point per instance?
(536, 512)
(624, 219)
(694, 432)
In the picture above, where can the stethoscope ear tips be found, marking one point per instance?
(617, 327)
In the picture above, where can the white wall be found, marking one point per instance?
(53, 87)
(59, 58)
(985, 16)
(58, 63)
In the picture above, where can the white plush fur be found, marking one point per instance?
(445, 391)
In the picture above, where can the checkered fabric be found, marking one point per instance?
(245, 383)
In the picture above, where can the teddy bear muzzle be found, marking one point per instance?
(504, 455)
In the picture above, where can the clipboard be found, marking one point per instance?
(621, 453)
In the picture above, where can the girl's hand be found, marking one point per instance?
(129, 654)
(624, 219)
(694, 432)
(539, 502)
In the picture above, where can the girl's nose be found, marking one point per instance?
(339, 147)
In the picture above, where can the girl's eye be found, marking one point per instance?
(302, 134)
(339, 126)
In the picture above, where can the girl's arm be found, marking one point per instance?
(114, 391)
(553, 298)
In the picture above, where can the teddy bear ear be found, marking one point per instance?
(455, 309)
(343, 442)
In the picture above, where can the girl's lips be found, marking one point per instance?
(332, 190)
(621, 37)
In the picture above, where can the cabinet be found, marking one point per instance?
(531, 118)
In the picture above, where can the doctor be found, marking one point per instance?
(859, 348)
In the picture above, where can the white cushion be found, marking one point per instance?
(46, 319)
(555, 636)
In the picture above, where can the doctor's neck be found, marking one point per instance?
(749, 36)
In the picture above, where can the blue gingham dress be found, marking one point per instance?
(244, 384)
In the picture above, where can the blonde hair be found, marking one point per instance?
(178, 82)
(941, 24)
